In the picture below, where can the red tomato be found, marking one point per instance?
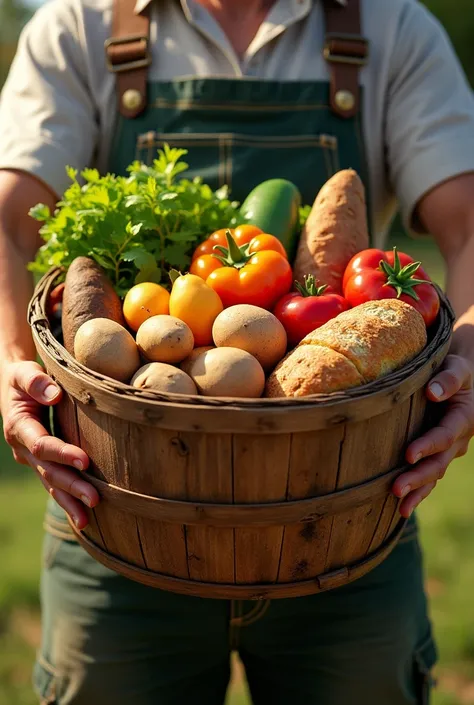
(261, 281)
(303, 311)
(373, 275)
(370, 259)
(204, 265)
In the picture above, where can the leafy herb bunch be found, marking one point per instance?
(136, 227)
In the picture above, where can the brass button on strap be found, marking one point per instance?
(345, 100)
(132, 99)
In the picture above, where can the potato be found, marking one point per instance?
(107, 347)
(185, 365)
(228, 372)
(165, 338)
(160, 377)
(253, 329)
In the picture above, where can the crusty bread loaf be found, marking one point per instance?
(336, 230)
(88, 294)
(373, 339)
(312, 369)
(378, 336)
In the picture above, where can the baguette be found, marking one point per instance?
(362, 344)
(88, 293)
(335, 231)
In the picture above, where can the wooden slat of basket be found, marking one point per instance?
(209, 478)
(395, 455)
(390, 514)
(65, 414)
(313, 472)
(158, 467)
(368, 448)
(416, 427)
(260, 475)
(109, 463)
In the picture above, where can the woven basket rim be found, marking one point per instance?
(41, 328)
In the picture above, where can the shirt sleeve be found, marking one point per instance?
(47, 115)
(430, 112)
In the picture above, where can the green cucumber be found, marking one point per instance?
(274, 206)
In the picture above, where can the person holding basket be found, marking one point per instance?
(102, 82)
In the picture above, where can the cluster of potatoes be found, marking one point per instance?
(248, 343)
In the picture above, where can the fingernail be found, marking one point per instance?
(77, 464)
(436, 390)
(51, 392)
(76, 522)
(417, 457)
(86, 500)
(405, 491)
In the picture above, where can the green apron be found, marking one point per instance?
(111, 641)
(241, 132)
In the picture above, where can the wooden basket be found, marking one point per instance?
(240, 499)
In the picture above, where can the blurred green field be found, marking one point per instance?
(447, 522)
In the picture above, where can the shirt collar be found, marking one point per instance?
(142, 4)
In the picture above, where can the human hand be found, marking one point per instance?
(433, 452)
(24, 390)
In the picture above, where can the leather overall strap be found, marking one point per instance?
(128, 56)
(346, 51)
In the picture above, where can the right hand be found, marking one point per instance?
(25, 388)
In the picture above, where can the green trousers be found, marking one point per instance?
(111, 641)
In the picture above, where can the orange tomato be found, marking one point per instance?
(242, 235)
(195, 303)
(267, 242)
(203, 266)
(261, 281)
(144, 301)
(206, 247)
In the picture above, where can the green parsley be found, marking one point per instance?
(136, 227)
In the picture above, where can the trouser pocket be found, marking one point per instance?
(424, 660)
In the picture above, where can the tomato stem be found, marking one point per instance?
(310, 286)
(401, 278)
(232, 255)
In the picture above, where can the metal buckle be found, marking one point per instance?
(128, 65)
(346, 58)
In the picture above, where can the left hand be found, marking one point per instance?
(432, 453)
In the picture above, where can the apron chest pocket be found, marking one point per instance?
(242, 161)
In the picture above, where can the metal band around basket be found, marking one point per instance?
(245, 515)
(229, 591)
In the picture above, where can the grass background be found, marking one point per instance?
(447, 524)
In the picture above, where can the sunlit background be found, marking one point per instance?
(447, 518)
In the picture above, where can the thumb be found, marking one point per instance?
(454, 376)
(30, 378)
